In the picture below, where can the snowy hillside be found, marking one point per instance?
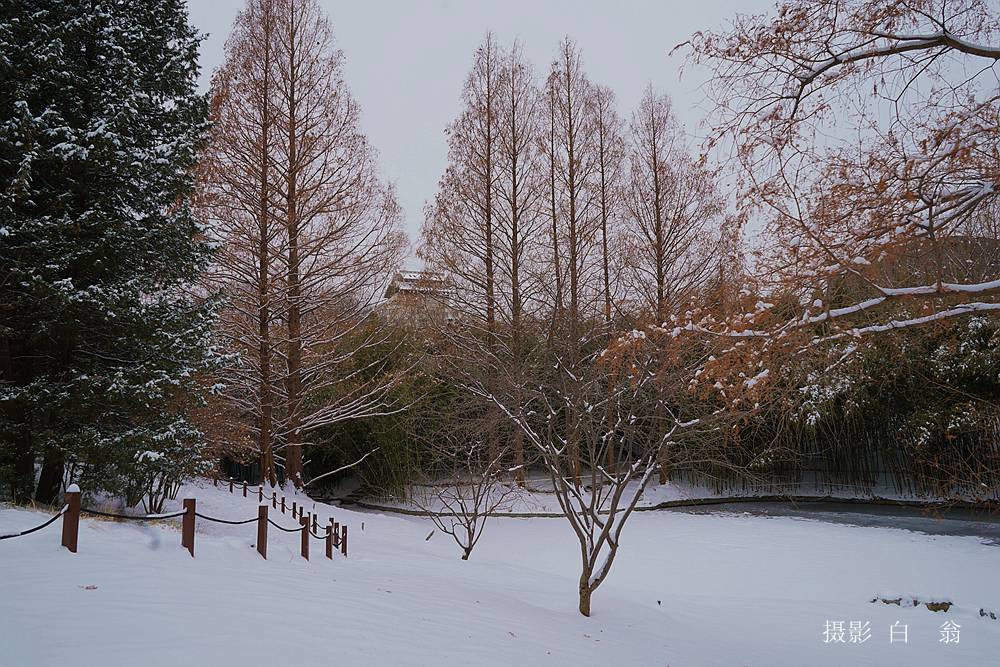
(688, 589)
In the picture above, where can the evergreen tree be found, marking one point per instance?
(101, 333)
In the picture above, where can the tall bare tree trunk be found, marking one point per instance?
(675, 211)
(293, 379)
(609, 156)
(557, 270)
(489, 74)
(264, 251)
(569, 82)
(518, 193)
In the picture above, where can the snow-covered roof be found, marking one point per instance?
(419, 282)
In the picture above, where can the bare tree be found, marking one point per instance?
(464, 486)
(576, 228)
(308, 233)
(460, 233)
(483, 226)
(619, 382)
(237, 201)
(551, 157)
(460, 228)
(519, 192)
(575, 160)
(611, 149)
(610, 162)
(866, 131)
(341, 223)
(672, 202)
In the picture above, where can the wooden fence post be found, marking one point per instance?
(343, 539)
(282, 504)
(274, 499)
(329, 540)
(336, 534)
(262, 530)
(71, 519)
(244, 489)
(215, 482)
(260, 494)
(294, 515)
(304, 522)
(187, 525)
(315, 524)
(230, 486)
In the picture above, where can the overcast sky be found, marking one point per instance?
(406, 61)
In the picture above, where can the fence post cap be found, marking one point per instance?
(73, 488)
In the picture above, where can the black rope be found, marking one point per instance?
(231, 523)
(287, 530)
(147, 517)
(264, 496)
(31, 530)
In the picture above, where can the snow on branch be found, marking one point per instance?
(341, 468)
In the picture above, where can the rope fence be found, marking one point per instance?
(36, 528)
(335, 536)
(132, 517)
(230, 523)
(280, 527)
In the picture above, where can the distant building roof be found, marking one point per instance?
(418, 282)
(418, 299)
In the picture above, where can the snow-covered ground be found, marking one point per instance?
(687, 589)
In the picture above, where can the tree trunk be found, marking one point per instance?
(557, 309)
(664, 472)
(23, 485)
(519, 450)
(266, 442)
(493, 440)
(293, 454)
(50, 481)
(585, 592)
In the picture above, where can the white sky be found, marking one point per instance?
(406, 61)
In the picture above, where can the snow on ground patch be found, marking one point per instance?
(687, 589)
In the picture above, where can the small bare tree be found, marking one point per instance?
(614, 399)
(466, 488)
(460, 474)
